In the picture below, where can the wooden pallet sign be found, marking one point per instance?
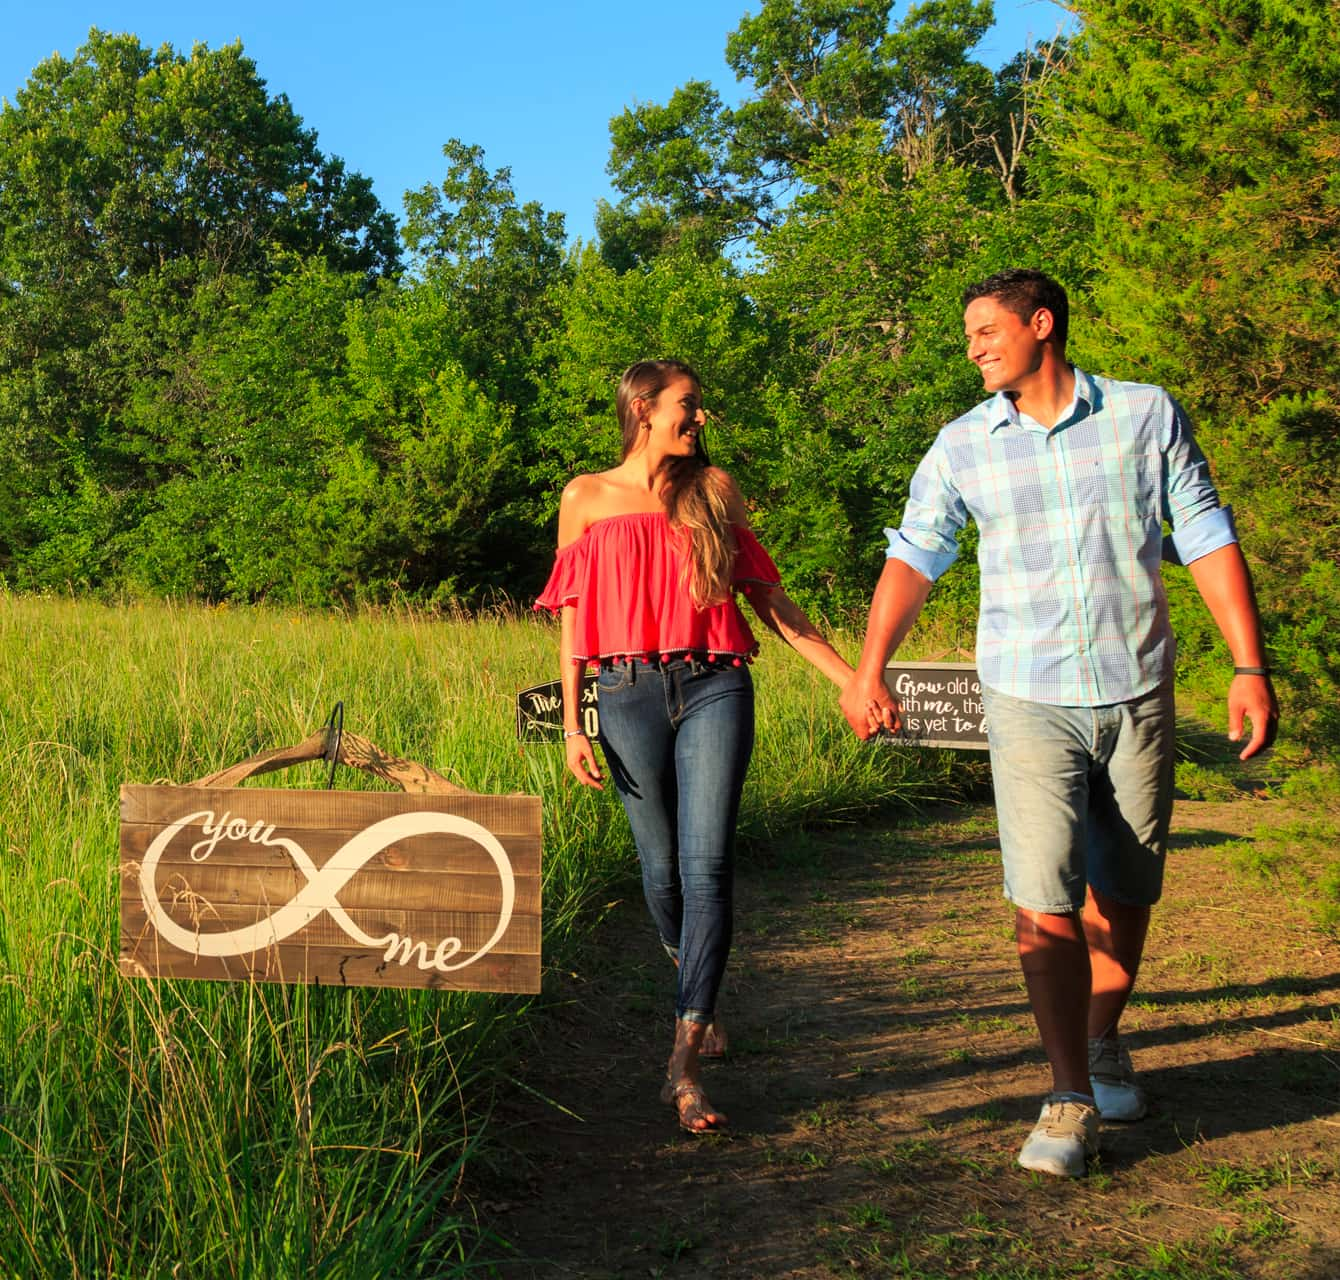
(437, 887)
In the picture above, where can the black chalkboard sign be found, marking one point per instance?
(539, 711)
(942, 704)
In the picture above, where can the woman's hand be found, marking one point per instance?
(582, 761)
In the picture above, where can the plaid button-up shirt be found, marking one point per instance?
(1073, 611)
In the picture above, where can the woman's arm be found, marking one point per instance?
(573, 519)
(781, 614)
(577, 748)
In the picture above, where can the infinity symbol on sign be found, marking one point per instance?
(319, 893)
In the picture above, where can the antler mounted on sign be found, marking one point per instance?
(434, 887)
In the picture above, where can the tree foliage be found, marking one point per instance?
(1200, 139)
(122, 160)
(498, 262)
(1197, 140)
(817, 68)
(216, 381)
(135, 188)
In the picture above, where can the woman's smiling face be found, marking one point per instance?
(675, 417)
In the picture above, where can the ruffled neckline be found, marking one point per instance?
(607, 520)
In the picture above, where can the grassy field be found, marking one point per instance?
(215, 1130)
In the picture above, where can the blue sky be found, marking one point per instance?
(386, 83)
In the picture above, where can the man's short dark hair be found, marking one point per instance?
(1024, 291)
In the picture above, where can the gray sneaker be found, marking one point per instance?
(1112, 1080)
(1065, 1135)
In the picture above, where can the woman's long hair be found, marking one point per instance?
(696, 498)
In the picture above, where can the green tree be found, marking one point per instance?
(1198, 139)
(130, 179)
(864, 280)
(817, 68)
(335, 450)
(677, 307)
(122, 159)
(496, 260)
(419, 491)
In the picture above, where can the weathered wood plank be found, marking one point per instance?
(272, 887)
(521, 938)
(331, 966)
(429, 853)
(322, 810)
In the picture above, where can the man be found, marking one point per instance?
(1069, 478)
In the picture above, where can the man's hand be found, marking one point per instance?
(870, 707)
(1252, 697)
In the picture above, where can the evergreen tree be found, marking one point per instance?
(1198, 140)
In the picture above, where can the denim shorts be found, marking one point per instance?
(1083, 797)
(677, 738)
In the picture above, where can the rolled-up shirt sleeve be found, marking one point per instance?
(928, 537)
(1200, 524)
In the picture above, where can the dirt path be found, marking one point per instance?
(884, 1070)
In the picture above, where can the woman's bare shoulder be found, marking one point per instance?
(586, 498)
(593, 489)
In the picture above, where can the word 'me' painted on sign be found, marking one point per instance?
(941, 702)
(339, 888)
(539, 711)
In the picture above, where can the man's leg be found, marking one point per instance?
(1040, 765)
(1115, 935)
(1131, 804)
(1054, 956)
(1075, 964)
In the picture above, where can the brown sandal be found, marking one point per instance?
(690, 1102)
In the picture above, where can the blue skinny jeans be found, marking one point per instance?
(677, 739)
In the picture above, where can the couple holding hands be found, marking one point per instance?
(1070, 478)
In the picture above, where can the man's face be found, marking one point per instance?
(1008, 350)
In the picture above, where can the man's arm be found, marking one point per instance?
(1225, 584)
(866, 700)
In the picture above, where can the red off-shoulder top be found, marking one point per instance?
(624, 576)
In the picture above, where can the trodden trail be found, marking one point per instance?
(884, 1070)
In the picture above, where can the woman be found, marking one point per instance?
(649, 554)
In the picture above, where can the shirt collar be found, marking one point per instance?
(1001, 410)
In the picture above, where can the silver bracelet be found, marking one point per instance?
(573, 733)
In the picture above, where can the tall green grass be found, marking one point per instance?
(215, 1130)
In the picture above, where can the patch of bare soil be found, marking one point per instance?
(884, 1070)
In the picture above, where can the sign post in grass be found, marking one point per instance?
(433, 887)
